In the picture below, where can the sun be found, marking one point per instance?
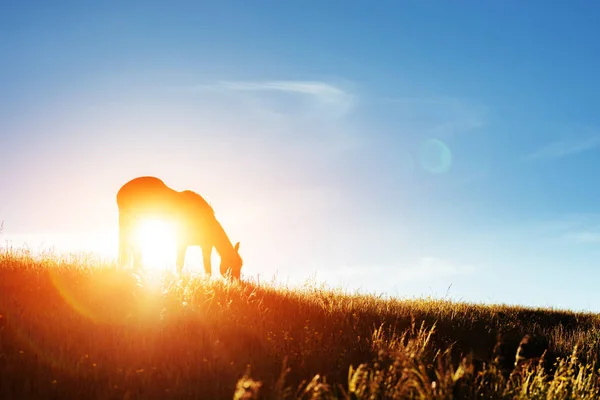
(156, 240)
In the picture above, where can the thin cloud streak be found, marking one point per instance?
(442, 117)
(564, 147)
(324, 93)
(585, 237)
(429, 268)
(309, 114)
(322, 90)
(425, 269)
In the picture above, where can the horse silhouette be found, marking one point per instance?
(192, 217)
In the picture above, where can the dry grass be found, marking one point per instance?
(79, 328)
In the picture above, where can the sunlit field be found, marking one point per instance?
(79, 328)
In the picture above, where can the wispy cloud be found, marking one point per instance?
(441, 117)
(428, 268)
(322, 91)
(538, 233)
(586, 237)
(565, 147)
(425, 269)
(309, 115)
(312, 100)
(336, 100)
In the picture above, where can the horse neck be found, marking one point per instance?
(221, 241)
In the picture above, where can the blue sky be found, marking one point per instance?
(403, 147)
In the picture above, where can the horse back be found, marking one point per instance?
(147, 195)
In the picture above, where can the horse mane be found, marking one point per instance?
(199, 200)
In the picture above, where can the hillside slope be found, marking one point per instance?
(80, 329)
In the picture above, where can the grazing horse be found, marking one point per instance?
(193, 218)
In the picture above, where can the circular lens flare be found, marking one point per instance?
(435, 156)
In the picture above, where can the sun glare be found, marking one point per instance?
(156, 239)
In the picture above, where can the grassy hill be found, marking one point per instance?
(80, 329)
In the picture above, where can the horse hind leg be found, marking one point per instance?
(137, 258)
(123, 253)
(181, 250)
(124, 241)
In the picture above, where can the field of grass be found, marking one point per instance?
(80, 329)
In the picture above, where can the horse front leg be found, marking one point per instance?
(206, 259)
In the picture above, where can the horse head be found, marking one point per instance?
(231, 263)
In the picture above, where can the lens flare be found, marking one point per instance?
(435, 156)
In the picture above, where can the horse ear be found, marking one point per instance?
(237, 246)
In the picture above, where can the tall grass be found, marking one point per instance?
(81, 328)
